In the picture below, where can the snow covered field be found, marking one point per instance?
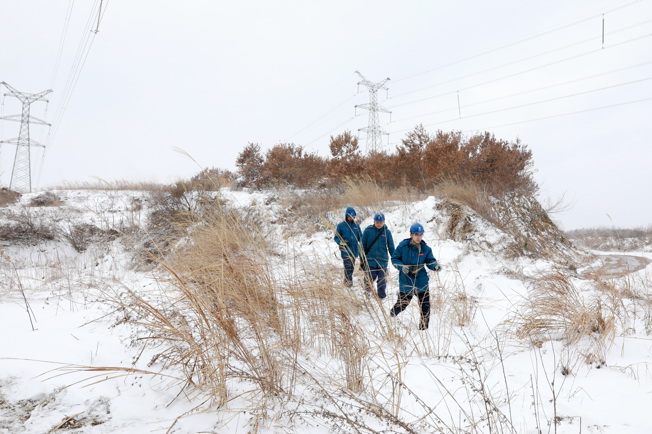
(493, 360)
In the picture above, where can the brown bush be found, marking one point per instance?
(347, 160)
(288, 164)
(498, 164)
(443, 156)
(421, 161)
(250, 165)
(211, 180)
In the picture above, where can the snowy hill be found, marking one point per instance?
(121, 313)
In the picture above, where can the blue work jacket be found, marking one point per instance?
(350, 233)
(419, 255)
(377, 256)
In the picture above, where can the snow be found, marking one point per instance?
(61, 323)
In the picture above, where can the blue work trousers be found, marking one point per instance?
(376, 274)
(349, 264)
(424, 303)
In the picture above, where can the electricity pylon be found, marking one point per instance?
(374, 132)
(21, 175)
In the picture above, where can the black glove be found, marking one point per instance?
(414, 269)
(437, 268)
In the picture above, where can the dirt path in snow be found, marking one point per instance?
(618, 265)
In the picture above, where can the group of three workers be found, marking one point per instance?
(374, 247)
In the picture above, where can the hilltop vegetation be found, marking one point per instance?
(421, 161)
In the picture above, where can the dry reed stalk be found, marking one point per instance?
(366, 195)
(470, 194)
(556, 309)
(102, 184)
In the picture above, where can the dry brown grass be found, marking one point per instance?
(232, 317)
(367, 193)
(8, 197)
(557, 310)
(307, 209)
(469, 194)
(26, 228)
(46, 199)
(121, 185)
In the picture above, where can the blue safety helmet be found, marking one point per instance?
(350, 212)
(416, 228)
(380, 217)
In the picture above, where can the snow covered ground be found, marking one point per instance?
(70, 359)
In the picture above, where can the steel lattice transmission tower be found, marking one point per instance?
(374, 132)
(21, 175)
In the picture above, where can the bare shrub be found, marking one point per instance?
(557, 310)
(26, 229)
(8, 197)
(46, 199)
(80, 236)
(613, 239)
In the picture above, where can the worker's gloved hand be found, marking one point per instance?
(343, 246)
(437, 268)
(414, 269)
(405, 269)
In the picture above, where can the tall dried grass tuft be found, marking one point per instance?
(556, 309)
(232, 318)
(367, 193)
(468, 193)
(120, 185)
(228, 291)
(305, 209)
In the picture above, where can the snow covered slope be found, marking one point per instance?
(526, 335)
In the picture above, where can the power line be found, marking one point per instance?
(322, 116)
(525, 71)
(62, 41)
(568, 113)
(584, 78)
(331, 130)
(556, 115)
(520, 41)
(311, 102)
(584, 41)
(535, 102)
(76, 68)
(83, 50)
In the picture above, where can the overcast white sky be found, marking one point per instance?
(208, 77)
